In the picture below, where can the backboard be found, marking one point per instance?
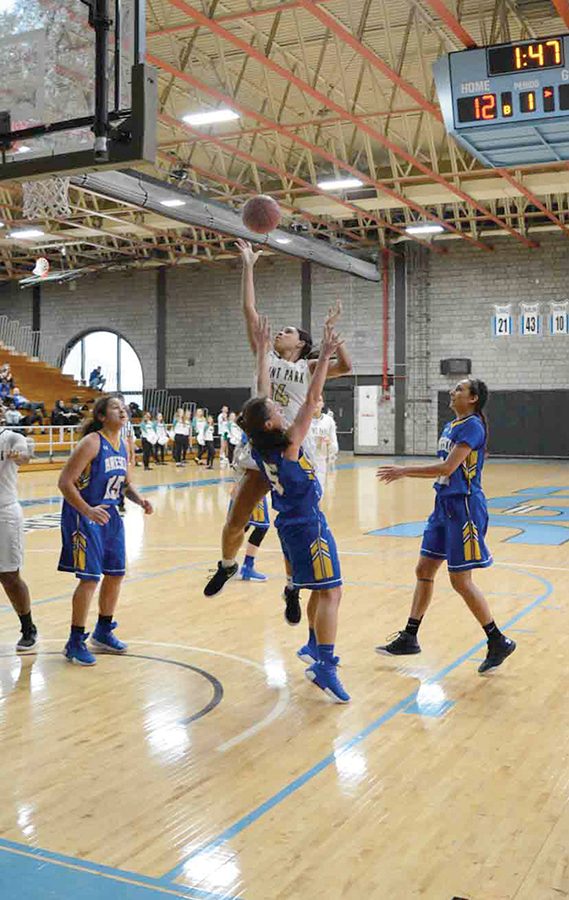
(49, 85)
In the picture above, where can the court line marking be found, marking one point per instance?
(295, 785)
(120, 875)
(276, 711)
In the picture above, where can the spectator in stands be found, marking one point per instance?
(96, 379)
(6, 375)
(149, 439)
(209, 441)
(61, 415)
(12, 416)
(234, 435)
(19, 401)
(4, 389)
(162, 439)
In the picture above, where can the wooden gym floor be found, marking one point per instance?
(203, 765)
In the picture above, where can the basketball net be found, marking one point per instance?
(46, 198)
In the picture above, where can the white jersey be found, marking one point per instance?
(324, 440)
(289, 383)
(10, 440)
(222, 422)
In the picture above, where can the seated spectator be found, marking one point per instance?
(6, 375)
(61, 415)
(19, 401)
(96, 379)
(12, 416)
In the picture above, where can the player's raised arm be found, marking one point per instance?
(249, 257)
(263, 342)
(301, 425)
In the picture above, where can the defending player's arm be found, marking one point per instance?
(444, 467)
(262, 335)
(301, 425)
(84, 453)
(133, 495)
(249, 258)
(342, 365)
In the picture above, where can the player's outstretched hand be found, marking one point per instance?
(147, 507)
(390, 473)
(248, 255)
(262, 333)
(99, 515)
(334, 313)
(331, 340)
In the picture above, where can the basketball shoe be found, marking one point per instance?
(28, 640)
(403, 644)
(76, 651)
(293, 611)
(249, 573)
(324, 675)
(220, 578)
(105, 641)
(498, 651)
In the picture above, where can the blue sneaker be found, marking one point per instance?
(323, 675)
(308, 654)
(76, 651)
(248, 573)
(105, 641)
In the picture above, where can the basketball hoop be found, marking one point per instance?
(46, 198)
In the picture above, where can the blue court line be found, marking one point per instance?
(291, 788)
(50, 882)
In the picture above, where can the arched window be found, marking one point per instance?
(120, 366)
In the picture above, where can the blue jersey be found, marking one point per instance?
(467, 478)
(104, 477)
(295, 489)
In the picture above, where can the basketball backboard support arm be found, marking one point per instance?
(120, 135)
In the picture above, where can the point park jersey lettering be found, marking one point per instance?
(102, 480)
(467, 478)
(295, 489)
(289, 381)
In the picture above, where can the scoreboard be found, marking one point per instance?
(508, 104)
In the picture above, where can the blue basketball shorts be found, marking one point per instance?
(259, 517)
(90, 550)
(311, 550)
(456, 531)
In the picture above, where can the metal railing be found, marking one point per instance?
(22, 339)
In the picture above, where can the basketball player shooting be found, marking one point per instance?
(290, 373)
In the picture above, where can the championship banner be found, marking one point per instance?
(502, 321)
(530, 319)
(559, 318)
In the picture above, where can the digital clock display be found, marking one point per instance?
(508, 58)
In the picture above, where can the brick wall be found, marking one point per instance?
(451, 301)
(122, 301)
(16, 303)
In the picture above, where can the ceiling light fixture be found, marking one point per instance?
(172, 203)
(26, 233)
(340, 184)
(212, 117)
(283, 240)
(424, 229)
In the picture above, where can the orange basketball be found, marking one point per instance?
(261, 214)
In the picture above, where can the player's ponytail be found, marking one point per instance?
(252, 419)
(95, 421)
(479, 390)
(307, 338)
